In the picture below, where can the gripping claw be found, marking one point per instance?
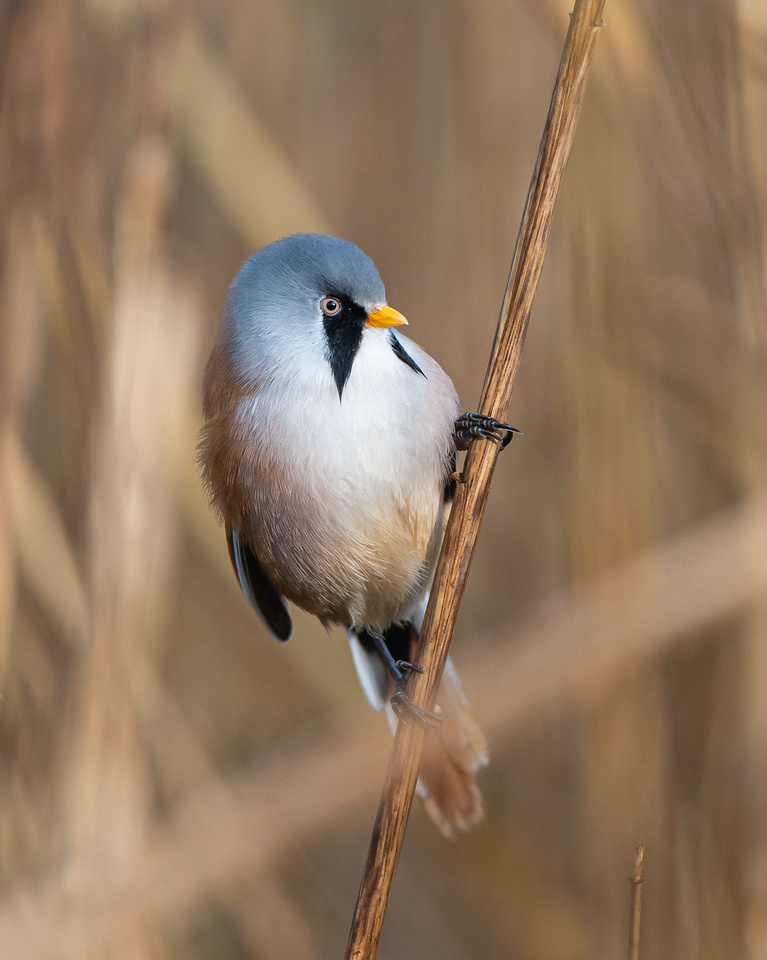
(404, 709)
(401, 704)
(474, 426)
(406, 667)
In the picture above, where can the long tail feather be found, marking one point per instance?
(453, 751)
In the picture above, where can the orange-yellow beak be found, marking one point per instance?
(386, 317)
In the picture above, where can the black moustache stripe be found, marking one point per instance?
(343, 333)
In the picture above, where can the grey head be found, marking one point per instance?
(277, 310)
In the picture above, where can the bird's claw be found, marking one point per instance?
(404, 667)
(474, 426)
(404, 709)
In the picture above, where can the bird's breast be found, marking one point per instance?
(342, 498)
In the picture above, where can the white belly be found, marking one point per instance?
(347, 494)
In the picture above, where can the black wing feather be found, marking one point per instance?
(401, 353)
(258, 589)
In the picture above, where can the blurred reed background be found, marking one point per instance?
(174, 784)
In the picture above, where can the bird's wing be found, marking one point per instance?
(259, 591)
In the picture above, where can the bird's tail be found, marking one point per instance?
(453, 751)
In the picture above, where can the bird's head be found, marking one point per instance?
(307, 299)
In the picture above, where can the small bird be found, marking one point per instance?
(329, 453)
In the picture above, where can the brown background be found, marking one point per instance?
(173, 784)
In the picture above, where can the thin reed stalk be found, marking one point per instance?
(468, 509)
(635, 915)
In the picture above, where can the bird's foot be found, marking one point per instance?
(405, 710)
(404, 667)
(474, 426)
(403, 707)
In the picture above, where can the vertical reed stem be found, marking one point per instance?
(471, 497)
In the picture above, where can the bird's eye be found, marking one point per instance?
(330, 306)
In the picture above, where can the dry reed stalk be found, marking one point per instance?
(665, 595)
(131, 524)
(635, 914)
(19, 358)
(110, 783)
(468, 508)
(44, 552)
